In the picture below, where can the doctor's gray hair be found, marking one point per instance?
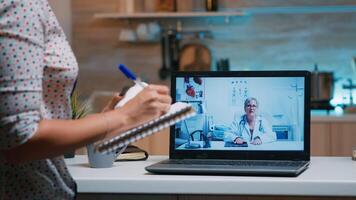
(248, 100)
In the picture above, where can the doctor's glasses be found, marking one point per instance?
(251, 106)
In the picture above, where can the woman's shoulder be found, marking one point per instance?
(17, 4)
(21, 10)
(243, 117)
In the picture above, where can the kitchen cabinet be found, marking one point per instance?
(343, 138)
(320, 139)
(329, 137)
(333, 135)
(156, 144)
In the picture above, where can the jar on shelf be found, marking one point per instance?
(166, 5)
(130, 6)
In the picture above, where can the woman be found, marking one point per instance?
(38, 70)
(251, 127)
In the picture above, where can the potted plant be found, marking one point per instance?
(79, 110)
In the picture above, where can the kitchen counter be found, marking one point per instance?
(326, 176)
(334, 118)
(323, 116)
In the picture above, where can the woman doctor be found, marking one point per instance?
(251, 127)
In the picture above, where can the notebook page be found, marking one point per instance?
(176, 107)
(177, 112)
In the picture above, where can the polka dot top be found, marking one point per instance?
(37, 73)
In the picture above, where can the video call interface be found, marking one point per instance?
(242, 113)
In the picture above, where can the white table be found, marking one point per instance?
(326, 176)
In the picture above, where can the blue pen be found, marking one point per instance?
(129, 74)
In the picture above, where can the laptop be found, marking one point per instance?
(247, 123)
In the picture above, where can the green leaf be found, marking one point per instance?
(79, 110)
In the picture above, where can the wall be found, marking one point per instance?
(290, 39)
(296, 36)
(63, 11)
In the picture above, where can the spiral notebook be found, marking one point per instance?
(178, 112)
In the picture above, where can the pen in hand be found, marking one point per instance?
(132, 91)
(129, 74)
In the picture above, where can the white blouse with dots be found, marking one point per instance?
(37, 73)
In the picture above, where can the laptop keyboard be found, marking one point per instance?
(236, 162)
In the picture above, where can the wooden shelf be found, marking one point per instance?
(165, 15)
(250, 11)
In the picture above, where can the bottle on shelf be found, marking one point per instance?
(211, 5)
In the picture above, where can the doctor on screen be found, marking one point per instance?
(250, 127)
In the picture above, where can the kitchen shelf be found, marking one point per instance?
(301, 9)
(166, 15)
(250, 11)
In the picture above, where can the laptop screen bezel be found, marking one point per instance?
(243, 155)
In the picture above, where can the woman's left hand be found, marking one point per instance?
(112, 103)
(256, 141)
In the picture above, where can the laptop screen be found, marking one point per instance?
(246, 111)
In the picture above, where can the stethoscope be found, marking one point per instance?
(244, 121)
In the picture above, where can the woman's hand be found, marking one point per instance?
(239, 140)
(150, 103)
(112, 103)
(256, 141)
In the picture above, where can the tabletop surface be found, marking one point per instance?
(326, 176)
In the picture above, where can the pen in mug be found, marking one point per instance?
(129, 74)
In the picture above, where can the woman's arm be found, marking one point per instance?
(235, 131)
(54, 137)
(24, 134)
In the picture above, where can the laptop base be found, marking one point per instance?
(176, 167)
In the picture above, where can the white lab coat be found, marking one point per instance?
(240, 128)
